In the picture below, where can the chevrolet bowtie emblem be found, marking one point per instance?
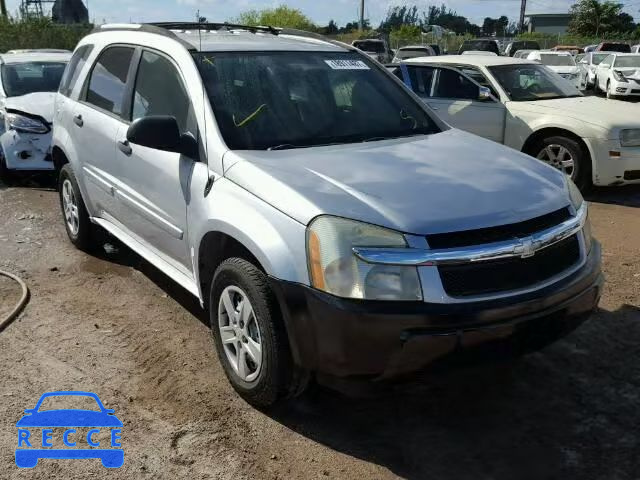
(527, 248)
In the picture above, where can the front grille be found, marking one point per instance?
(511, 273)
(500, 233)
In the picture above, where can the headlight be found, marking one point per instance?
(334, 268)
(20, 123)
(630, 137)
(619, 76)
(574, 194)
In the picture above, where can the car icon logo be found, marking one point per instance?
(69, 433)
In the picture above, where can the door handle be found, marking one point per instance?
(125, 147)
(78, 120)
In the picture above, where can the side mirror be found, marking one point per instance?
(484, 94)
(161, 132)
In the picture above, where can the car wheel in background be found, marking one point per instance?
(610, 95)
(76, 219)
(567, 155)
(249, 335)
(596, 85)
(5, 174)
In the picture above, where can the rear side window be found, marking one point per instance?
(450, 84)
(109, 79)
(74, 68)
(159, 91)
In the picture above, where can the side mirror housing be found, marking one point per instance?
(161, 132)
(484, 94)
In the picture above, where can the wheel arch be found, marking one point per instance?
(556, 131)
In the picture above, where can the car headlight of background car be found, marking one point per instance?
(630, 137)
(619, 76)
(335, 269)
(21, 123)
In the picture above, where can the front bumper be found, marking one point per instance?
(26, 151)
(630, 88)
(354, 338)
(614, 164)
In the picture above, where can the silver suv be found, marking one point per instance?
(328, 221)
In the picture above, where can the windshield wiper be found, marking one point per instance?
(284, 146)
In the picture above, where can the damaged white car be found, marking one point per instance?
(28, 86)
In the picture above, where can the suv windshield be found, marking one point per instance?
(532, 82)
(557, 60)
(277, 100)
(370, 46)
(23, 78)
(627, 62)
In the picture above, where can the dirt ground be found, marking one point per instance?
(115, 326)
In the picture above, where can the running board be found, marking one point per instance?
(153, 258)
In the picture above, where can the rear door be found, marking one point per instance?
(154, 191)
(456, 99)
(97, 118)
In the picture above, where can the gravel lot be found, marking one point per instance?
(116, 326)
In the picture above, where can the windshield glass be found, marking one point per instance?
(627, 62)
(22, 78)
(266, 100)
(370, 46)
(412, 53)
(532, 82)
(557, 60)
(598, 57)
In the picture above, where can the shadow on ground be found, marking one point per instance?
(628, 195)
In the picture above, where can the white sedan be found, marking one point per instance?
(562, 63)
(526, 106)
(619, 75)
(28, 86)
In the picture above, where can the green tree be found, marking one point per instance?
(594, 17)
(281, 16)
(398, 16)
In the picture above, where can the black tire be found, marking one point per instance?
(83, 238)
(279, 377)
(6, 175)
(610, 96)
(596, 86)
(582, 159)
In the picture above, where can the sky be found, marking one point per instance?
(320, 11)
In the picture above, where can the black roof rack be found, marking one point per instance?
(214, 26)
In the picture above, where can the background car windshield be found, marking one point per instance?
(532, 82)
(297, 99)
(369, 46)
(22, 78)
(69, 402)
(627, 62)
(598, 57)
(557, 60)
(412, 52)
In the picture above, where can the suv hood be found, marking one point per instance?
(39, 103)
(445, 182)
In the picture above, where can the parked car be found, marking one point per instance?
(588, 67)
(635, 49)
(480, 44)
(562, 63)
(534, 110)
(374, 48)
(310, 201)
(522, 53)
(403, 53)
(590, 48)
(614, 47)
(513, 47)
(28, 82)
(619, 75)
(479, 52)
(572, 49)
(436, 48)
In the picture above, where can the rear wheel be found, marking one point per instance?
(568, 156)
(76, 218)
(249, 335)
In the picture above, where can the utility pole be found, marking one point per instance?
(3, 8)
(361, 15)
(523, 7)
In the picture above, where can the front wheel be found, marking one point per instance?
(610, 95)
(249, 334)
(568, 156)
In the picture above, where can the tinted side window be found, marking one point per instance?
(451, 84)
(74, 68)
(421, 80)
(109, 79)
(159, 91)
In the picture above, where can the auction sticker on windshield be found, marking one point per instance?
(88, 430)
(347, 64)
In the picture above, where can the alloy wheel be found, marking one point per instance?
(240, 333)
(70, 207)
(559, 157)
